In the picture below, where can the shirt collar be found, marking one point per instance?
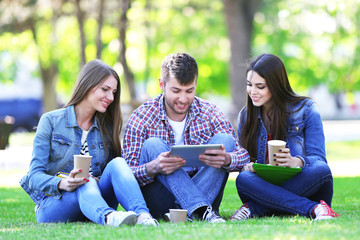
(162, 111)
(193, 111)
(71, 118)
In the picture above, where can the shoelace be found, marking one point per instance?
(207, 212)
(149, 221)
(324, 209)
(242, 213)
(210, 215)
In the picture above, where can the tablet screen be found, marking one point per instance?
(191, 153)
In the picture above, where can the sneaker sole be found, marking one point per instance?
(323, 218)
(129, 220)
(167, 217)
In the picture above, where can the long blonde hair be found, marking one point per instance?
(110, 122)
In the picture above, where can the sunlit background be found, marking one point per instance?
(41, 50)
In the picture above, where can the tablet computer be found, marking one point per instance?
(275, 174)
(191, 153)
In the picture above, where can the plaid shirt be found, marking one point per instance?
(203, 122)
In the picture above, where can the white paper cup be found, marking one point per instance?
(273, 147)
(178, 215)
(82, 162)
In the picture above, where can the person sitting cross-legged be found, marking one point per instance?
(178, 117)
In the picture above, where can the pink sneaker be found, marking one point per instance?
(323, 211)
(242, 213)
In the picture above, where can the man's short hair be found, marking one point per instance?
(181, 66)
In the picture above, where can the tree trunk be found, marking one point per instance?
(100, 25)
(129, 76)
(239, 17)
(48, 77)
(80, 19)
(148, 42)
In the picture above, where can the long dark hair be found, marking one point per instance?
(272, 69)
(110, 122)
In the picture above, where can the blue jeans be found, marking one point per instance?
(178, 189)
(93, 201)
(299, 195)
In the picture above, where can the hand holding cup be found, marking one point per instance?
(82, 162)
(274, 146)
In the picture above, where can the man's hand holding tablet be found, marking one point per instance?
(213, 155)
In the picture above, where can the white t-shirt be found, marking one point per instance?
(84, 146)
(179, 128)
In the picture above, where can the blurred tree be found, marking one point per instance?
(318, 41)
(81, 18)
(239, 15)
(158, 28)
(100, 25)
(129, 76)
(44, 36)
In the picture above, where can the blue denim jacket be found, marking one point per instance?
(57, 139)
(305, 135)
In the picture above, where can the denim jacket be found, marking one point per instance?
(57, 139)
(305, 136)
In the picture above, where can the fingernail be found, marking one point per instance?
(277, 164)
(274, 154)
(280, 150)
(80, 170)
(88, 180)
(85, 179)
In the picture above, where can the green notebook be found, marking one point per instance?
(274, 174)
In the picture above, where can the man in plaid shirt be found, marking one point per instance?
(178, 117)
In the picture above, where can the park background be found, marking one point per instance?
(44, 44)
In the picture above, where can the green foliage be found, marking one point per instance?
(196, 27)
(317, 40)
(18, 221)
(12, 47)
(349, 151)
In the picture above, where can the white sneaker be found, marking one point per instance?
(242, 213)
(212, 216)
(322, 211)
(146, 219)
(116, 218)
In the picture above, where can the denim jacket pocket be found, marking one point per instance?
(296, 136)
(60, 144)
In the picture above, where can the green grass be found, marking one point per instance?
(21, 139)
(347, 150)
(17, 218)
(17, 221)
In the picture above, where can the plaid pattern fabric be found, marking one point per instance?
(203, 122)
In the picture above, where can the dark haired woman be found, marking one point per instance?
(90, 124)
(274, 111)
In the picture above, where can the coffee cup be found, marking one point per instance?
(273, 147)
(178, 215)
(82, 162)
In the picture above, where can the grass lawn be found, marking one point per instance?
(17, 221)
